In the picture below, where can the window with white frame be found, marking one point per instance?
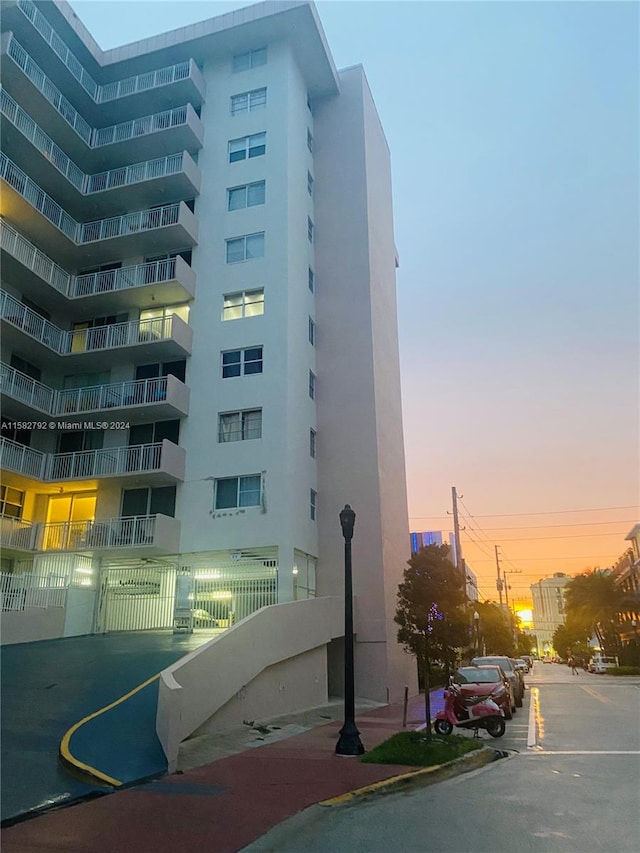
(312, 332)
(309, 141)
(234, 492)
(241, 362)
(310, 183)
(245, 303)
(313, 500)
(240, 426)
(246, 248)
(247, 102)
(248, 195)
(247, 147)
(312, 385)
(250, 59)
(312, 280)
(309, 229)
(312, 443)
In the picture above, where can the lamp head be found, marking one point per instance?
(347, 522)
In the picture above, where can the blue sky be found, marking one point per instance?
(513, 129)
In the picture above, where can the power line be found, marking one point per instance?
(561, 557)
(547, 512)
(568, 524)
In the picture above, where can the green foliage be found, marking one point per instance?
(624, 670)
(414, 750)
(594, 601)
(571, 637)
(496, 628)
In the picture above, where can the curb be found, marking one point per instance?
(419, 778)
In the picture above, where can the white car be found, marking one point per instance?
(600, 664)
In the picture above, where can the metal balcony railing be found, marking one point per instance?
(58, 46)
(123, 278)
(38, 198)
(127, 175)
(20, 592)
(21, 387)
(32, 323)
(108, 461)
(102, 533)
(16, 533)
(130, 223)
(135, 393)
(139, 127)
(48, 90)
(20, 459)
(32, 258)
(143, 82)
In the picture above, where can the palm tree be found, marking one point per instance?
(594, 598)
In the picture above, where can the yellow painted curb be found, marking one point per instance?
(87, 769)
(394, 781)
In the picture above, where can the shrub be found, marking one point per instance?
(624, 670)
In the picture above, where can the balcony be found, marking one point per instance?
(32, 399)
(168, 282)
(146, 535)
(21, 459)
(16, 536)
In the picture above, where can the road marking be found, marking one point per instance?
(534, 714)
(585, 752)
(596, 695)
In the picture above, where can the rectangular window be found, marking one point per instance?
(240, 426)
(241, 362)
(150, 501)
(310, 229)
(246, 303)
(249, 195)
(312, 332)
(310, 183)
(247, 102)
(312, 443)
(247, 147)
(309, 141)
(11, 502)
(312, 385)
(313, 497)
(312, 280)
(251, 59)
(245, 248)
(232, 492)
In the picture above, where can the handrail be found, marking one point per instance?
(137, 127)
(37, 197)
(21, 387)
(100, 533)
(31, 257)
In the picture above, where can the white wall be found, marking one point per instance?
(28, 626)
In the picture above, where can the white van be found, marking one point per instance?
(601, 663)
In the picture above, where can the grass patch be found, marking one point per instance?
(624, 670)
(411, 748)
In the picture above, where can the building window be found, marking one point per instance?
(247, 147)
(247, 102)
(241, 362)
(249, 195)
(245, 303)
(309, 141)
(245, 248)
(310, 229)
(312, 385)
(160, 500)
(313, 497)
(240, 426)
(312, 280)
(310, 183)
(11, 502)
(312, 332)
(251, 59)
(232, 492)
(312, 443)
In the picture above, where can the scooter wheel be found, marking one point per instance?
(443, 727)
(496, 726)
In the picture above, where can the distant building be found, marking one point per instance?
(548, 608)
(435, 537)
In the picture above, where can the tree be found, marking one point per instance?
(594, 601)
(496, 627)
(430, 612)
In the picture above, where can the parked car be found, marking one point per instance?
(601, 663)
(522, 664)
(504, 662)
(546, 659)
(487, 681)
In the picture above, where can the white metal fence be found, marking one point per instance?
(19, 592)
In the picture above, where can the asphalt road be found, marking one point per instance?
(571, 784)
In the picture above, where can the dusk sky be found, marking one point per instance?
(513, 130)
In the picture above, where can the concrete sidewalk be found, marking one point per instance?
(229, 802)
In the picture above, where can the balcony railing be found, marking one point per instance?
(49, 91)
(32, 323)
(127, 175)
(18, 534)
(19, 592)
(108, 461)
(102, 533)
(130, 223)
(21, 387)
(32, 258)
(143, 82)
(28, 127)
(20, 459)
(123, 278)
(119, 394)
(38, 198)
(58, 46)
(139, 127)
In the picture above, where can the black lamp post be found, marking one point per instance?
(476, 623)
(349, 742)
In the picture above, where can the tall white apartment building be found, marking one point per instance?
(199, 349)
(548, 609)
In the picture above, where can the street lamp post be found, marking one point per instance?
(349, 742)
(476, 623)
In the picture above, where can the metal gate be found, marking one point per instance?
(137, 598)
(220, 603)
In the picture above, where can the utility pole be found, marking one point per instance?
(456, 537)
(499, 581)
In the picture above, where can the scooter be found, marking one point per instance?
(468, 712)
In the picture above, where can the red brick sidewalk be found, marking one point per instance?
(221, 807)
